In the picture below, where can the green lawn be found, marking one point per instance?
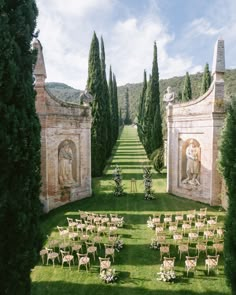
(136, 263)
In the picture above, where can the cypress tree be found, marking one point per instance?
(95, 87)
(156, 135)
(141, 107)
(146, 121)
(116, 109)
(112, 108)
(20, 238)
(228, 168)
(187, 89)
(206, 79)
(152, 124)
(179, 96)
(120, 118)
(106, 102)
(127, 120)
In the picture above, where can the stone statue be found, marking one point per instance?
(169, 96)
(85, 97)
(65, 164)
(193, 163)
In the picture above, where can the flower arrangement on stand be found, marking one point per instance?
(109, 275)
(147, 179)
(117, 177)
(166, 275)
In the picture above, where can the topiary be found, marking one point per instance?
(157, 159)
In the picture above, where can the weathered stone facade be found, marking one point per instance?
(192, 172)
(65, 144)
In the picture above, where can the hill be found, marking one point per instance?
(63, 91)
(176, 84)
(67, 93)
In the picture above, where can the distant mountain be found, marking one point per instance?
(63, 91)
(67, 93)
(176, 84)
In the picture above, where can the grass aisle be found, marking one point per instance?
(136, 263)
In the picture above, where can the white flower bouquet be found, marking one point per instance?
(166, 276)
(109, 275)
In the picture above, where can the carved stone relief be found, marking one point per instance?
(191, 162)
(67, 163)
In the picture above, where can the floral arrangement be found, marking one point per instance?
(109, 275)
(118, 191)
(166, 276)
(118, 245)
(155, 244)
(150, 223)
(147, 179)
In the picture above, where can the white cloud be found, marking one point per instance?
(66, 33)
(202, 26)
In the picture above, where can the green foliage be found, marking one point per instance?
(20, 208)
(112, 107)
(141, 107)
(127, 120)
(95, 87)
(136, 264)
(228, 168)
(157, 159)
(106, 104)
(120, 119)
(152, 118)
(187, 89)
(116, 110)
(63, 92)
(206, 79)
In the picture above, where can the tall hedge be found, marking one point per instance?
(116, 109)
(127, 120)
(95, 87)
(187, 88)
(106, 101)
(206, 79)
(152, 118)
(20, 237)
(141, 107)
(228, 167)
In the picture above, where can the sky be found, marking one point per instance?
(185, 32)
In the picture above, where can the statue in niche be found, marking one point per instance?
(193, 163)
(169, 96)
(65, 164)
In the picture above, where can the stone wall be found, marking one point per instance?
(194, 130)
(65, 144)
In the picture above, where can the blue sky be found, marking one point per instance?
(185, 32)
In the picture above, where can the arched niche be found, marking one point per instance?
(191, 162)
(67, 163)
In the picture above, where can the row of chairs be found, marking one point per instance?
(211, 263)
(186, 227)
(66, 257)
(217, 247)
(83, 258)
(101, 218)
(179, 217)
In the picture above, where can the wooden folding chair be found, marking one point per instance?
(191, 263)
